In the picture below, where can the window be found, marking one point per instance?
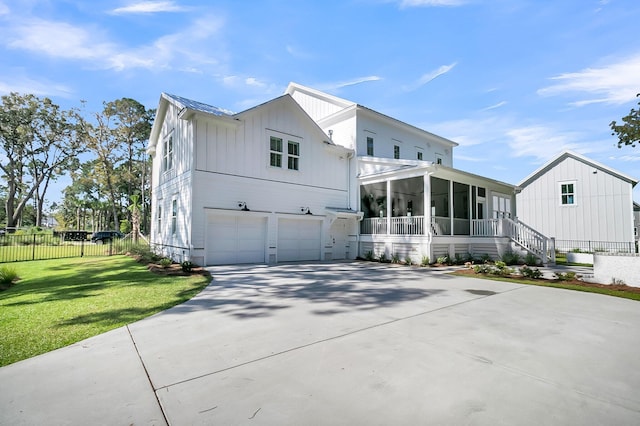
(167, 154)
(159, 218)
(567, 194)
(174, 216)
(482, 192)
(438, 158)
(396, 152)
(370, 146)
(419, 155)
(293, 149)
(275, 154)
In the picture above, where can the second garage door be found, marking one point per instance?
(298, 240)
(235, 239)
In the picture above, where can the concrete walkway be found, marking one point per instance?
(346, 344)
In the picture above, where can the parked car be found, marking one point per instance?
(102, 237)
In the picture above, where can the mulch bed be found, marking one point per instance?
(175, 270)
(617, 287)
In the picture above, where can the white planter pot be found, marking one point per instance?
(580, 258)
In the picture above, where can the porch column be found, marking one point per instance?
(426, 199)
(389, 207)
(451, 205)
(471, 207)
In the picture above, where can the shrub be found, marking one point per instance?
(369, 255)
(144, 253)
(408, 260)
(395, 258)
(469, 258)
(530, 272)
(187, 266)
(564, 276)
(576, 250)
(617, 281)
(458, 259)
(165, 262)
(445, 260)
(531, 259)
(425, 261)
(482, 269)
(500, 268)
(382, 258)
(8, 276)
(511, 258)
(485, 258)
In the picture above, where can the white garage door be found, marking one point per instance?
(298, 240)
(235, 239)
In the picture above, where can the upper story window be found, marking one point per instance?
(396, 152)
(167, 154)
(293, 149)
(279, 157)
(419, 155)
(370, 146)
(567, 194)
(275, 153)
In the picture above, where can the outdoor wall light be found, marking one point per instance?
(243, 206)
(305, 210)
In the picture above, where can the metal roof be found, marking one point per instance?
(199, 106)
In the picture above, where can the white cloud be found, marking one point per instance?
(12, 83)
(149, 7)
(66, 41)
(4, 9)
(335, 86)
(616, 83)
(430, 76)
(626, 158)
(431, 3)
(498, 105)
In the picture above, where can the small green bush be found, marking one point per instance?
(511, 258)
(485, 268)
(369, 255)
(576, 250)
(445, 260)
(485, 258)
(408, 261)
(395, 258)
(617, 281)
(564, 276)
(165, 262)
(8, 276)
(187, 266)
(500, 268)
(425, 261)
(143, 253)
(458, 259)
(382, 258)
(531, 260)
(530, 272)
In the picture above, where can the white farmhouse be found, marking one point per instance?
(310, 176)
(582, 203)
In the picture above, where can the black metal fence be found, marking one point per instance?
(16, 248)
(565, 246)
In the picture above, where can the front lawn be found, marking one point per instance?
(623, 291)
(59, 302)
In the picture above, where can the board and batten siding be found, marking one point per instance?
(602, 210)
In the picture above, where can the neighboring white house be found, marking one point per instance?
(310, 176)
(580, 202)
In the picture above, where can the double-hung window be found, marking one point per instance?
(293, 158)
(167, 154)
(174, 216)
(159, 218)
(396, 152)
(370, 146)
(567, 193)
(275, 153)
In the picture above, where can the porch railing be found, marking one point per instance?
(405, 225)
(530, 239)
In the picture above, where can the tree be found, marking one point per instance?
(629, 132)
(37, 140)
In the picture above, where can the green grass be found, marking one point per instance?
(559, 284)
(59, 302)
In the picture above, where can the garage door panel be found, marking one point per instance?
(233, 239)
(298, 240)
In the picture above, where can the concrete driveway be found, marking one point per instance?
(347, 344)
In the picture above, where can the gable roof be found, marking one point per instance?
(348, 107)
(570, 154)
(198, 106)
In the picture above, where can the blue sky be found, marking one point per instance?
(514, 82)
